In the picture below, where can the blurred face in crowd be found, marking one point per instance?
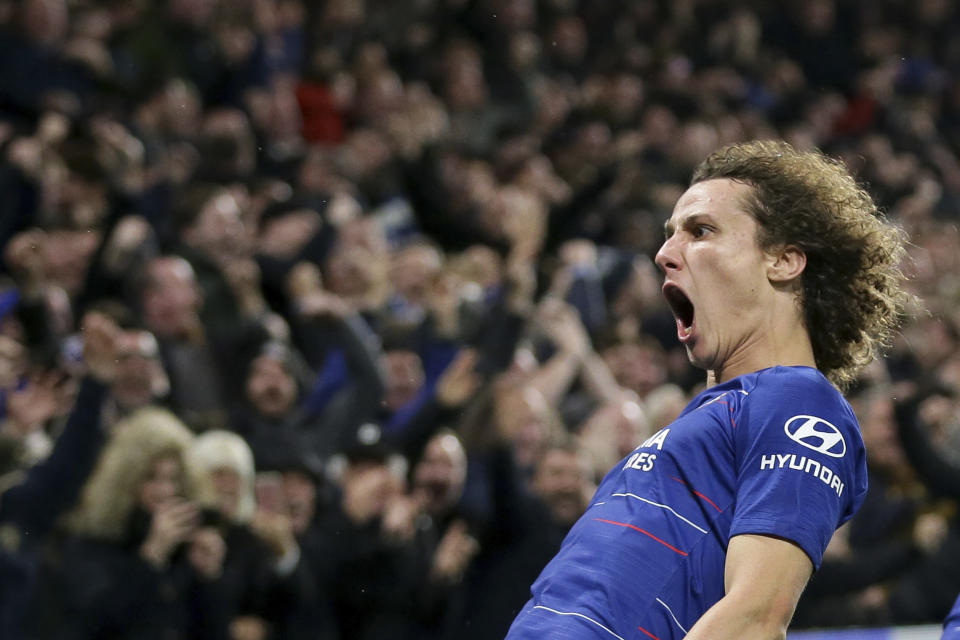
(171, 300)
(227, 486)
(270, 387)
(515, 14)
(817, 16)
(363, 153)
(697, 140)
(659, 126)
(352, 272)
(193, 12)
(525, 50)
(79, 201)
(67, 256)
(140, 377)
(561, 481)
(301, 499)
(440, 473)
(625, 97)
(523, 415)
(380, 94)
(464, 85)
(404, 377)
(344, 13)
(218, 229)
(163, 482)
(414, 270)
(571, 39)
(639, 368)
(879, 428)
(228, 141)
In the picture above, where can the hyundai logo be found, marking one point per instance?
(817, 434)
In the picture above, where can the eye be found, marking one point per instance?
(700, 230)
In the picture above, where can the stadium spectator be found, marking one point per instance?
(141, 561)
(32, 499)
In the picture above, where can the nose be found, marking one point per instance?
(667, 258)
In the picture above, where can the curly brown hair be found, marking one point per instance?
(853, 296)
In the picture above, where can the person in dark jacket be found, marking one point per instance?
(529, 522)
(378, 572)
(268, 582)
(31, 502)
(142, 562)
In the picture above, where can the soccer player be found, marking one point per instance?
(783, 278)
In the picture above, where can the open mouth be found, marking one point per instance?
(682, 309)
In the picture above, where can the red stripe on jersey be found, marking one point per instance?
(648, 633)
(698, 494)
(644, 532)
(732, 421)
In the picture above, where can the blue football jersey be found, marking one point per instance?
(951, 626)
(775, 452)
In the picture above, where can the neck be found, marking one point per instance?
(782, 340)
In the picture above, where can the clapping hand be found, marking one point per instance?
(454, 553)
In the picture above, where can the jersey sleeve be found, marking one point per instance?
(801, 463)
(951, 626)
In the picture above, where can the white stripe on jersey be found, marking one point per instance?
(579, 615)
(670, 611)
(662, 506)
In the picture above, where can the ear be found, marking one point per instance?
(786, 264)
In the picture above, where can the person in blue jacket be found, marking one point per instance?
(783, 279)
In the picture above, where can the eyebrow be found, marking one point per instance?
(693, 218)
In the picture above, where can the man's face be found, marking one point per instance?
(414, 270)
(140, 374)
(560, 482)
(404, 377)
(219, 228)
(270, 388)
(440, 473)
(171, 300)
(715, 275)
(636, 367)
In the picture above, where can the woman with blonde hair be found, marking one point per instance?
(141, 561)
(265, 586)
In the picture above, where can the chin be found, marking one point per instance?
(697, 361)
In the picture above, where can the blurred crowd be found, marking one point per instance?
(321, 319)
